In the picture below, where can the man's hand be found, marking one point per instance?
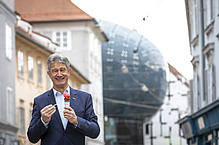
(69, 114)
(47, 112)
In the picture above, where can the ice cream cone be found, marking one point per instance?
(67, 99)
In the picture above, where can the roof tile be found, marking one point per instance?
(50, 10)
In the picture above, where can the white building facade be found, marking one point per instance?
(8, 127)
(201, 126)
(162, 128)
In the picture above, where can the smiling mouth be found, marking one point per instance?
(60, 79)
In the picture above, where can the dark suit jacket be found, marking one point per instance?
(55, 134)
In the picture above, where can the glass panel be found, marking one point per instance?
(65, 39)
(20, 61)
(22, 121)
(30, 67)
(39, 67)
(58, 38)
(10, 105)
(8, 43)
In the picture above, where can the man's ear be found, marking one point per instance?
(69, 70)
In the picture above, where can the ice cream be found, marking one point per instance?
(67, 99)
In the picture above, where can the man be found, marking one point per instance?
(58, 125)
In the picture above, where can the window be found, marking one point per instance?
(62, 38)
(147, 129)
(30, 67)
(8, 43)
(193, 16)
(10, 105)
(39, 68)
(210, 92)
(196, 92)
(209, 7)
(20, 62)
(22, 120)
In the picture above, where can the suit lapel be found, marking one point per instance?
(51, 100)
(73, 99)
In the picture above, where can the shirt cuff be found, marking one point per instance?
(45, 124)
(75, 125)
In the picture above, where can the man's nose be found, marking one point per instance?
(59, 73)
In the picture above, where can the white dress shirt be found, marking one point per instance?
(60, 104)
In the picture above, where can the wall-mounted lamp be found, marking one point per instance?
(144, 88)
(124, 69)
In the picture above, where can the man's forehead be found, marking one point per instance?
(58, 65)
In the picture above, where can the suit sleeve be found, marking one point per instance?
(89, 125)
(36, 128)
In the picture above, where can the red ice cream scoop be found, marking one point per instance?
(67, 96)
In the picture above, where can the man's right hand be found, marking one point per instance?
(47, 112)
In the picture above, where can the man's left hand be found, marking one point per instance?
(69, 114)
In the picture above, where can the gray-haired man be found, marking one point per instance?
(68, 125)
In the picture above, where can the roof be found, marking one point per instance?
(178, 75)
(50, 10)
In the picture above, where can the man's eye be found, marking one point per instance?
(62, 70)
(54, 70)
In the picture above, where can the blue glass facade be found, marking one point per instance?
(134, 82)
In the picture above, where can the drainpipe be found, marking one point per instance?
(201, 55)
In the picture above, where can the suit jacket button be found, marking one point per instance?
(64, 133)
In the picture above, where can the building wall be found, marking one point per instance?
(162, 128)
(201, 126)
(8, 128)
(27, 90)
(203, 25)
(84, 52)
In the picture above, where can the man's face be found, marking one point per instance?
(59, 75)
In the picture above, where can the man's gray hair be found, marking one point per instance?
(57, 58)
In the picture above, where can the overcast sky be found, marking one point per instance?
(165, 25)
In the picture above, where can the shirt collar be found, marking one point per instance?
(55, 91)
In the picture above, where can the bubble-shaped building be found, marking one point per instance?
(134, 79)
(134, 74)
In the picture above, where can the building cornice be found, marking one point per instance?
(7, 11)
(208, 47)
(11, 127)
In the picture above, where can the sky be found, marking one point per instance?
(165, 25)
